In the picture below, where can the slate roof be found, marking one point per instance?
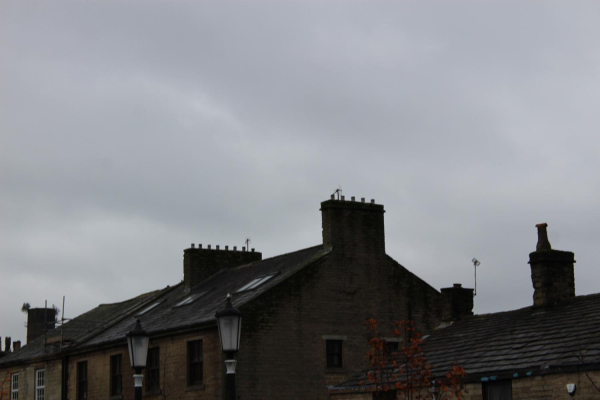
(108, 323)
(531, 340)
(76, 330)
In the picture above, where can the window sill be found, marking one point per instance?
(194, 388)
(152, 392)
(336, 370)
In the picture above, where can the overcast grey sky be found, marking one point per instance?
(130, 129)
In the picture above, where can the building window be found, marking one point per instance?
(195, 363)
(153, 370)
(391, 347)
(40, 384)
(497, 390)
(82, 380)
(334, 353)
(14, 387)
(116, 375)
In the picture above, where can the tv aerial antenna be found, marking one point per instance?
(476, 263)
(338, 191)
(247, 241)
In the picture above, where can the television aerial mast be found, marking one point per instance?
(476, 263)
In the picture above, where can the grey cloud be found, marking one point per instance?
(129, 131)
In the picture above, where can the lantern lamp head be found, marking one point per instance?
(137, 341)
(229, 321)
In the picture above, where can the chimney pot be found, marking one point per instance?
(343, 198)
(217, 246)
(458, 285)
(7, 344)
(352, 198)
(332, 197)
(372, 201)
(362, 200)
(253, 250)
(543, 242)
(16, 345)
(192, 245)
(234, 248)
(209, 246)
(226, 247)
(199, 245)
(243, 248)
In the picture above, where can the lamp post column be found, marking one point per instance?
(229, 321)
(230, 364)
(137, 342)
(138, 378)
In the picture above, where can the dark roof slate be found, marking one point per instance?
(76, 330)
(167, 316)
(529, 340)
(108, 323)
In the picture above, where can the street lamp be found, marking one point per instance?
(137, 341)
(229, 321)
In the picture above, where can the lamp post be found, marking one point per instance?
(137, 341)
(229, 320)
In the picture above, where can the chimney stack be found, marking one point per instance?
(353, 227)
(16, 345)
(199, 263)
(552, 271)
(457, 302)
(38, 321)
(7, 344)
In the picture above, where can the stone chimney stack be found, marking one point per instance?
(552, 271)
(7, 344)
(199, 263)
(457, 302)
(353, 227)
(38, 321)
(16, 345)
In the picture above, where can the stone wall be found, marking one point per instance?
(283, 349)
(53, 371)
(547, 387)
(173, 373)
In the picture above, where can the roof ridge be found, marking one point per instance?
(279, 256)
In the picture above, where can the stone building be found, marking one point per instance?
(303, 315)
(549, 350)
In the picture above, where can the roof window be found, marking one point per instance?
(150, 307)
(189, 299)
(255, 283)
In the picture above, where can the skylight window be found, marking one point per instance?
(150, 307)
(255, 283)
(189, 299)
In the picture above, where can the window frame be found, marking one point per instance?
(504, 384)
(334, 348)
(14, 386)
(40, 389)
(153, 371)
(116, 375)
(195, 362)
(82, 380)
